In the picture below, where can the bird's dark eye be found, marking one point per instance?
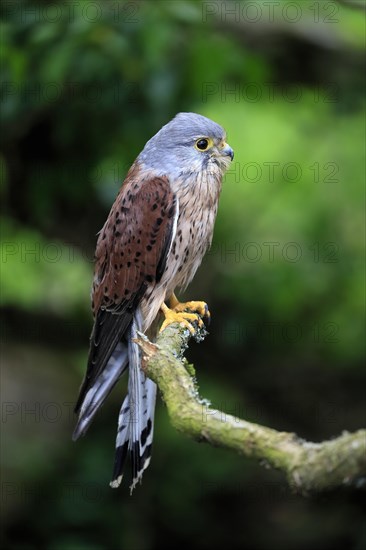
(202, 144)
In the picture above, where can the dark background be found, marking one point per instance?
(84, 85)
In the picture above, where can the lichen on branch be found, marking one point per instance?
(308, 467)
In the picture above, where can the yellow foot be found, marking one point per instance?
(177, 314)
(182, 318)
(199, 307)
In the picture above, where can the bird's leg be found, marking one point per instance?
(177, 313)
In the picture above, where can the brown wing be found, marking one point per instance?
(131, 254)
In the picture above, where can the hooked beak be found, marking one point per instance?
(228, 151)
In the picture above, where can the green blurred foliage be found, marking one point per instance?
(299, 193)
(84, 85)
(39, 274)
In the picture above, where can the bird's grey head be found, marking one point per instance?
(190, 143)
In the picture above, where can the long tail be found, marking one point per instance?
(136, 417)
(101, 388)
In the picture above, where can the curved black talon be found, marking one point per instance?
(207, 316)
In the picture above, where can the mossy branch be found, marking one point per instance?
(309, 467)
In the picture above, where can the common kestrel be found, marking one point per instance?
(154, 239)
